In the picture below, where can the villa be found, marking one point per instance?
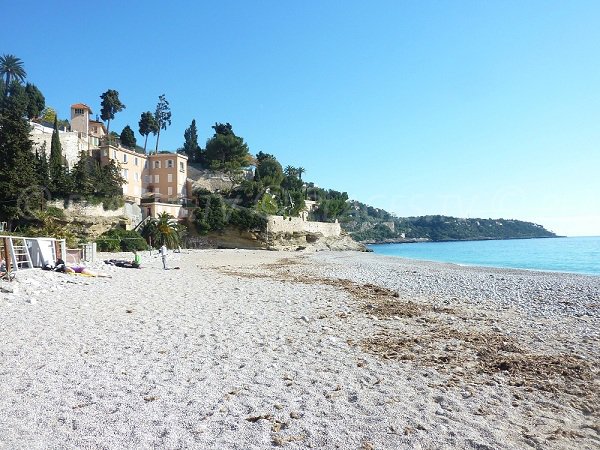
(154, 183)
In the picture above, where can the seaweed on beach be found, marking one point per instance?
(381, 302)
(480, 353)
(283, 262)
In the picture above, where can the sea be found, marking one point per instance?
(564, 254)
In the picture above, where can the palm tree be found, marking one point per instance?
(291, 171)
(164, 229)
(11, 67)
(300, 171)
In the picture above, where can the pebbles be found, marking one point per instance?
(245, 349)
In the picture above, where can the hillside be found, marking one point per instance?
(368, 224)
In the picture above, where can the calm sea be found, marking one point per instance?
(571, 254)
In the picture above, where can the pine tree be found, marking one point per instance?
(147, 125)
(108, 181)
(17, 160)
(82, 175)
(110, 106)
(36, 101)
(128, 137)
(162, 115)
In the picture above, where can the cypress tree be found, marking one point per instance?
(41, 166)
(190, 147)
(17, 160)
(59, 182)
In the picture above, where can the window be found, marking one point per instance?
(146, 164)
(169, 163)
(156, 178)
(157, 164)
(148, 178)
(125, 173)
(124, 189)
(104, 152)
(181, 166)
(94, 129)
(156, 190)
(169, 190)
(78, 111)
(136, 176)
(114, 154)
(125, 157)
(135, 160)
(170, 177)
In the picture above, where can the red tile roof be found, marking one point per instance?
(81, 106)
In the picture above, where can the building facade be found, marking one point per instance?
(156, 182)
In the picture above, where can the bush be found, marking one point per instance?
(132, 240)
(246, 219)
(118, 239)
(112, 203)
(46, 225)
(55, 212)
(211, 214)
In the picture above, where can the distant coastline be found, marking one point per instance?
(422, 240)
(565, 254)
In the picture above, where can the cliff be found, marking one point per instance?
(278, 240)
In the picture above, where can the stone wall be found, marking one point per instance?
(280, 224)
(69, 142)
(206, 179)
(83, 209)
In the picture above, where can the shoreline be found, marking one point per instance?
(256, 349)
(509, 264)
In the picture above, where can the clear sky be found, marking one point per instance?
(464, 108)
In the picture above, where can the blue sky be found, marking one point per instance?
(465, 108)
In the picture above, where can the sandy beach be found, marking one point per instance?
(253, 349)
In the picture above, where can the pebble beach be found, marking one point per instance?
(240, 349)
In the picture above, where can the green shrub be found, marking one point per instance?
(211, 214)
(247, 219)
(132, 240)
(112, 203)
(55, 212)
(118, 239)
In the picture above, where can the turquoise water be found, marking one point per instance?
(571, 254)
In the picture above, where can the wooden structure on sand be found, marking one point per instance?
(27, 252)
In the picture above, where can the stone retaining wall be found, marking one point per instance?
(280, 224)
(86, 210)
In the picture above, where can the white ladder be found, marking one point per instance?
(21, 259)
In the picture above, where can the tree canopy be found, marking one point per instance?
(11, 68)
(17, 160)
(162, 116)
(128, 137)
(147, 125)
(35, 101)
(226, 152)
(190, 146)
(269, 171)
(110, 105)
